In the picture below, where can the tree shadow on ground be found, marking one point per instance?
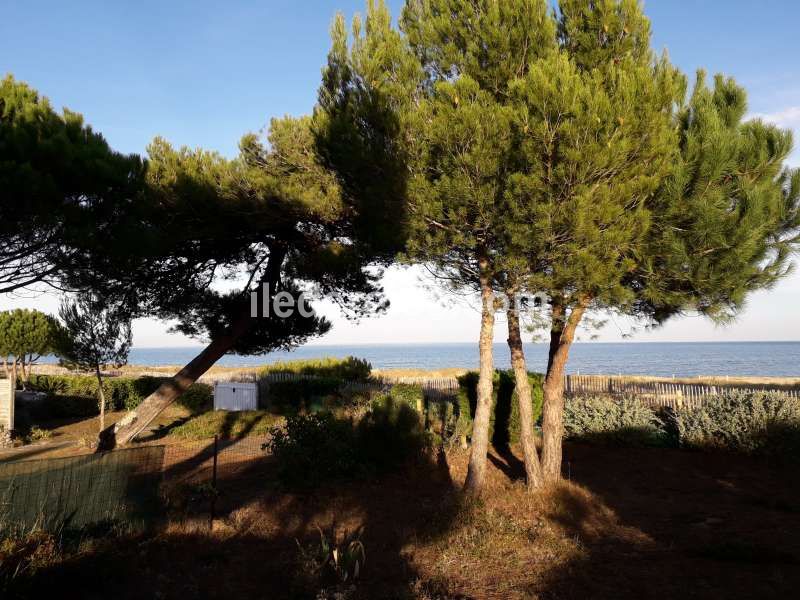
(252, 549)
(630, 523)
(664, 523)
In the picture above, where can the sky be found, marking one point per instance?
(201, 74)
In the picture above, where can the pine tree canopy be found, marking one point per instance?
(208, 219)
(558, 145)
(62, 189)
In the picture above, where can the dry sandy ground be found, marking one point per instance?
(227, 372)
(628, 524)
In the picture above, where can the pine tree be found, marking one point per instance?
(25, 336)
(274, 219)
(97, 336)
(553, 152)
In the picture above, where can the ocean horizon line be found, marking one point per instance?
(470, 343)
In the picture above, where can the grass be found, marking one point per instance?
(226, 425)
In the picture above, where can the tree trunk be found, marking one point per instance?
(13, 378)
(562, 334)
(135, 421)
(102, 395)
(533, 469)
(476, 472)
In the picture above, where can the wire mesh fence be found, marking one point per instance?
(131, 487)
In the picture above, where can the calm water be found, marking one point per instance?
(666, 359)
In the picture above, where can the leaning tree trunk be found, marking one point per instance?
(102, 395)
(134, 422)
(533, 468)
(476, 472)
(562, 334)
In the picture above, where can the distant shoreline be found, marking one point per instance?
(658, 359)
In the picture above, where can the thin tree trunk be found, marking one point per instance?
(102, 395)
(533, 468)
(13, 378)
(135, 421)
(476, 472)
(562, 334)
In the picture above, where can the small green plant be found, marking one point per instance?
(22, 555)
(335, 559)
(37, 434)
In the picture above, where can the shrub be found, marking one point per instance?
(350, 368)
(226, 425)
(505, 422)
(312, 394)
(312, 449)
(122, 393)
(759, 423)
(391, 435)
(406, 393)
(625, 422)
(199, 398)
(62, 407)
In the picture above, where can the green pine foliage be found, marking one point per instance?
(62, 190)
(504, 428)
(25, 336)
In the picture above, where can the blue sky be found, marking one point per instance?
(203, 73)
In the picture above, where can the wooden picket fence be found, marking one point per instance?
(652, 392)
(660, 393)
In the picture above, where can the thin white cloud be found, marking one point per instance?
(788, 117)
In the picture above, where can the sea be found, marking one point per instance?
(679, 359)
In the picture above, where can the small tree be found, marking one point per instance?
(99, 335)
(25, 336)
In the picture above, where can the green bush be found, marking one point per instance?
(199, 398)
(758, 423)
(122, 393)
(61, 407)
(289, 397)
(312, 449)
(625, 422)
(505, 422)
(350, 368)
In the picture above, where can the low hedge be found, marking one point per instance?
(290, 397)
(625, 422)
(122, 393)
(754, 423)
(349, 368)
(76, 396)
(504, 422)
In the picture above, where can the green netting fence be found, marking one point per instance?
(117, 487)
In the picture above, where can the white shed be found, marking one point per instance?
(235, 396)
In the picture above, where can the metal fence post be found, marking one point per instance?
(213, 485)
